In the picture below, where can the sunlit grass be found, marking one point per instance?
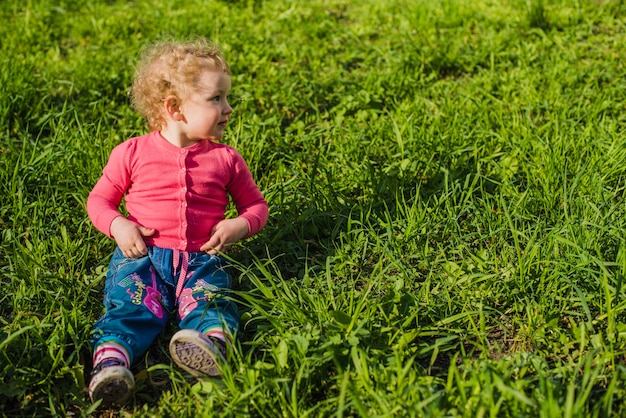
(445, 182)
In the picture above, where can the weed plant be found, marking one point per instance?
(445, 181)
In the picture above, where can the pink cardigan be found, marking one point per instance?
(181, 192)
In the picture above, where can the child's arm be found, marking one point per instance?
(104, 200)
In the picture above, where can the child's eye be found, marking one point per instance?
(215, 99)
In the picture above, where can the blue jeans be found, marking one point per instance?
(142, 294)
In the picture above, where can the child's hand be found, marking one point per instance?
(225, 234)
(129, 237)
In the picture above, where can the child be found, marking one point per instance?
(175, 182)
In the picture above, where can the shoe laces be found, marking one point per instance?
(110, 362)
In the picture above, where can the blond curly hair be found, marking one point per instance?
(171, 69)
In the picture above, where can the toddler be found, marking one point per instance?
(176, 182)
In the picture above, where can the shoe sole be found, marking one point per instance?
(194, 358)
(114, 387)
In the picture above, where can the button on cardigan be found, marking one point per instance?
(181, 192)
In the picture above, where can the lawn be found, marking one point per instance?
(445, 181)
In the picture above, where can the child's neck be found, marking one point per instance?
(176, 139)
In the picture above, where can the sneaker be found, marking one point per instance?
(112, 382)
(197, 353)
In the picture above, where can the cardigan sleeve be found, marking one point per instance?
(105, 198)
(247, 197)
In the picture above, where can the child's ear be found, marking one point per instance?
(172, 108)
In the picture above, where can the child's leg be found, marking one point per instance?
(207, 319)
(137, 306)
(203, 303)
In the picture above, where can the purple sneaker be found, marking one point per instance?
(112, 382)
(197, 353)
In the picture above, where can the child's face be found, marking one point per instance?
(206, 110)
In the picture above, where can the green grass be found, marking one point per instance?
(445, 180)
